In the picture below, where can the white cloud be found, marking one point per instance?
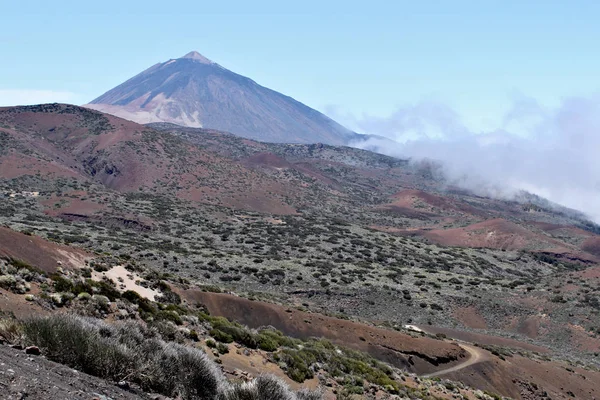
(552, 152)
(15, 97)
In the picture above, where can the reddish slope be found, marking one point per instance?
(38, 252)
(204, 166)
(427, 203)
(420, 354)
(495, 233)
(592, 246)
(124, 156)
(501, 234)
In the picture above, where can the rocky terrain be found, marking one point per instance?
(312, 240)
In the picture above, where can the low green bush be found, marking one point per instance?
(337, 361)
(267, 387)
(222, 348)
(271, 340)
(220, 336)
(226, 329)
(130, 351)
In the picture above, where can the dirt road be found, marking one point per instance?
(476, 355)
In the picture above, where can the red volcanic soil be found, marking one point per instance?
(501, 234)
(529, 326)
(71, 205)
(495, 233)
(408, 212)
(407, 198)
(563, 241)
(125, 156)
(267, 160)
(527, 379)
(15, 165)
(582, 339)
(309, 169)
(419, 354)
(517, 377)
(520, 377)
(589, 273)
(270, 160)
(562, 229)
(418, 203)
(483, 339)
(592, 246)
(39, 252)
(16, 305)
(470, 317)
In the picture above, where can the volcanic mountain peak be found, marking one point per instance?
(194, 55)
(194, 91)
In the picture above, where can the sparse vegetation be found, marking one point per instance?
(324, 232)
(131, 351)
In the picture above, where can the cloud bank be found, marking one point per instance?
(551, 152)
(19, 97)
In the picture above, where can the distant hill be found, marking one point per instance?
(51, 144)
(195, 92)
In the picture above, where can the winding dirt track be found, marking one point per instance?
(475, 356)
(416, 354)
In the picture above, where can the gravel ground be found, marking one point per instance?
(24, 376)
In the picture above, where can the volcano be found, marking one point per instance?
(196, 92)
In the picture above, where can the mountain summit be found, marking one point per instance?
(196, 92)
(194, 55)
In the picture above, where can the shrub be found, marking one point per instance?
(169, 316)
(306, 394)
(298, 364)
(8, 282)
(271, 340)
(129, 350)
(147, 310)
(79, 344)
(220, 336)
(197, 377)
(20, 264)
(132, 296)
(120, 351)
(166, 330)
(101, 301)
(337, 361)
(62, 284)
(11, 330)
(263, 387)
(104, 288)
(84, 296)
(222, 348)
(168, 296)
(267, 343)
(226, 329)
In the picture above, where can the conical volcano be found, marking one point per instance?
(194, 91)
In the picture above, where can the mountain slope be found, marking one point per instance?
(327, 228)
(56, 141)
(196, 92)
(59, 141)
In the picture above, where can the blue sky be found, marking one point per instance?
(504, 93)
(353, 57)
